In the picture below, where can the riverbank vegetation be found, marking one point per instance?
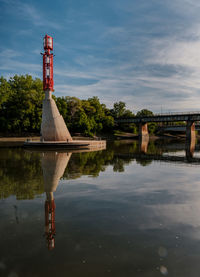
(21, 110)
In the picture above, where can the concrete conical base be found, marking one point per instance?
(53, 167)
(53, 127)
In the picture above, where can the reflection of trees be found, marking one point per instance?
(90, 163)
(143, 162)
(118, 165)
(124, 146)
(153, 148)
(21, 173)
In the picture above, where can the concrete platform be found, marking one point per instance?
(75, 144)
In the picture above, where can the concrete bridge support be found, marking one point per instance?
(190, 131)
(189, 150)
(190, 139)
(143, 130)
(143, 137)
(143, 144)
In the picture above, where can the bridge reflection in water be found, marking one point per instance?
(143, 152)
(189, 146)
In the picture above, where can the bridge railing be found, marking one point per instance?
(173, 113)
(178, 116)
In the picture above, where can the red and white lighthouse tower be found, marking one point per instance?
(53, 126)
(48, 64)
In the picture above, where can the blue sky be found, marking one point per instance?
(143, 52)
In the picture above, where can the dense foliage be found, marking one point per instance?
(21, 110)
(20, 104)
(85, 116)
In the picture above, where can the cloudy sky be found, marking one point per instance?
(143, 52)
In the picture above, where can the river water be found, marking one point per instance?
(117, 212)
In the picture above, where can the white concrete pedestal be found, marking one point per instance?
(53, 126)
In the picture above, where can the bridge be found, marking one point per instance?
(161, 158)
(176, 128)
(142, 121)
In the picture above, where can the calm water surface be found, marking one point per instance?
(117, 212)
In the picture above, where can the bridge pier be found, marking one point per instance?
(189, 150)
(190, 139)
(143, 130)
(143, 144)
(190, 131)
(143, 137)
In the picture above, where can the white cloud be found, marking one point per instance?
(15, 66)
(185, 6)
(29, 12)
(131, 64)
(9, 53)
(175, 52)
(11, 66)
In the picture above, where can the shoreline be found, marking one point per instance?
(108, 137)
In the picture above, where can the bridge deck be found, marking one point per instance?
(171, 117)
(176, 128)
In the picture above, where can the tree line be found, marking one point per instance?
(21, 110)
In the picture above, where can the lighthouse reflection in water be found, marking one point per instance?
(53, 167)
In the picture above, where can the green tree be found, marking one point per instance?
(119, 109)
(152, 127)
(21, 108)
(62, 106)
(144, 112)
(5, 93)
